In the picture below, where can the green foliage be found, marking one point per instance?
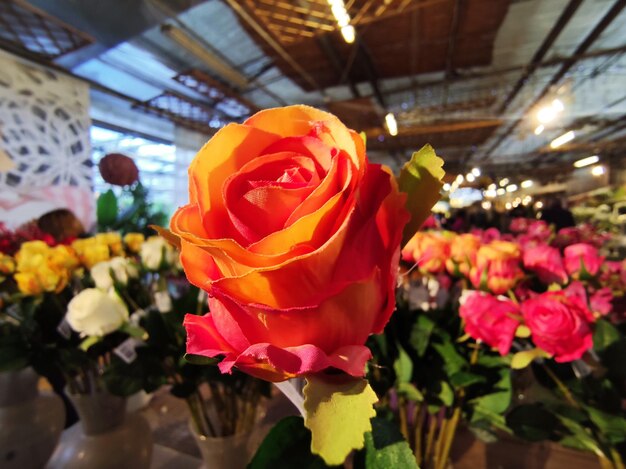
(106, 209)
(532, 422)
(135, 216)
(287, 445)
(384, 448)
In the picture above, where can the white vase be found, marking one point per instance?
(230, 452)
(30, 422)
(106, 437)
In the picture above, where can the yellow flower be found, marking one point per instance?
(32, 255)
(63, 257)
(7, 264)
(52, 280)
(91, 251)
(28, 283)
(113, 240)
(134, 241)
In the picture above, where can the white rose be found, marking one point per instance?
(122, 269)
(152, 250)
(95, 312)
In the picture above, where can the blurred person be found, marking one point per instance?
(555, 214)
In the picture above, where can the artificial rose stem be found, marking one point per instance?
(289, 389)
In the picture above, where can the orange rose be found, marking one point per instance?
(463, 250)
(429, 250)
(295, 237)
(497, 267)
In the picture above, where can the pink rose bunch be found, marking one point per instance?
(560, 322)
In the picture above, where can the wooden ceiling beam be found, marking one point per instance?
(437, 128)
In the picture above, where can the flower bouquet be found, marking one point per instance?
(528, 299)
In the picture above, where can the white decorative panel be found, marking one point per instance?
(44, 126)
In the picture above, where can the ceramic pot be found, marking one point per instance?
(105, 437)
(30, 422)
(230, 452)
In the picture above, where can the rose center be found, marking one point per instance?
(262, 196)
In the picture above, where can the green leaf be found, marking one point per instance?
(523, 359)
(605, 335)
(386, 448)
(106, 209)
(453, 362)
(446, 394)
(410, 391)
(403, 366)
(338, 413)
(200, 359)
(496, 402)
(611, 426)
(420, 333)
(287, 445)
(89, 341)
(532, 422)
(420, 179)
(463, 379)
(580, 437)
(133, 331)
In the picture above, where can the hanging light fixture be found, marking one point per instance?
(341, 15)
(586, 161)
(392, 125)
(563, 139)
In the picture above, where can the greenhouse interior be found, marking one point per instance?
(365, 234)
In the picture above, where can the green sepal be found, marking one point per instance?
(338, 412)
(420, 179)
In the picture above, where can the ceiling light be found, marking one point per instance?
(491, 187)
(486, 205)
(508, 206)
(215, 63)
(349, 34)
(511, 188)
(597, 170)
(526, 184)
(546, 114)
(501, 191)
(526, 200)
(446, 187)
(476, 172)
(557, 105)
(469, 177)
(586, 161)
(490, 193)
(563, 139)
(540, 128)
(390, 120)
(504, 182)
(459, 179)
(539, 205)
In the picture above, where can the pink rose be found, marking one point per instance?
(490, 319)
(546, 262)
(519, 225)
(582, 256)
(559, 322)
(602, 301)
(539, 229)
